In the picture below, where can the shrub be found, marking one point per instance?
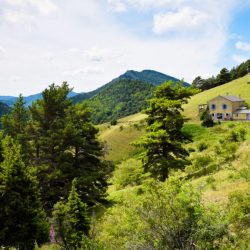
(113, 122)
(206, 119)
(128, 173)
(202, 146)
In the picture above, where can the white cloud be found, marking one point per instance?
(3, 52)
(243, 46)
(97, 54)
(117, 6)
(16, 17)
(24, 12)
(239, 58)
(183, 20)
(43, 6)
(85, 70)
(49, 56)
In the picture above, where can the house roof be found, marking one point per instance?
(232, 98)
(242, 111)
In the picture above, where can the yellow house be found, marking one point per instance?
(228, 107)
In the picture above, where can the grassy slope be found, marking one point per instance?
(237, 87)
(118, 140)
(223, 184)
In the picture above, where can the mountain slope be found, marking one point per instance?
(4, 109)
(119, 99)
(147, 76)
(239, 87)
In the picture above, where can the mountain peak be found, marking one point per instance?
(149, 76)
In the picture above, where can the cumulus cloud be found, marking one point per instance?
(84, 70)
(97, 54)
(43, 6)
(239, 58)
(24, 11)
(2, 51)
(242, 46)
(49, 56)
(182, 20)
(117, 6)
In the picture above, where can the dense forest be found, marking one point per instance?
(223, 77)
(120, 99)
(57, 191)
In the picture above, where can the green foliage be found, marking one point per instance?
(65, 146)
(71, 220)
(239, 217)
(164, 216)
(223, 77)
(4, 109)
(15, 124)
(206, 119)
(113, 122)
(119, 99)
(202, 146)
(164, 139)
(128, 173)
(23, 220)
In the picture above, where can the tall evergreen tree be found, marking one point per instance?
(66, 147)
(22, 217)
(164, 139)
(71, 219)
(15, 124)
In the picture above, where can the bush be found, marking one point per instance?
(113, 122)
(166, 215)
(206, 119)
(202, 146)
(128, 173)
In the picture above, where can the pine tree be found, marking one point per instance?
(15, 124)
(66, 147)
(164, 139)
(71, 219)
(22, 217)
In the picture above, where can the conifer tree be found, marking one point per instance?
(66, 147)
(71, 219)
(22, 217)
(15, 124)
(164, 138)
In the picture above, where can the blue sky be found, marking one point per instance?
(90, 42)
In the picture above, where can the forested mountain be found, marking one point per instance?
(124, 95)
(4, 109)
(119, 99)
(148, 76)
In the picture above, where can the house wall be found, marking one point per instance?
(236, 105)
(219, 101)
(240, 117)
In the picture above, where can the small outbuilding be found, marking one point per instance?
(228, 107)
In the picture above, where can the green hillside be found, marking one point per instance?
(239, 87)
(122, 98)
(4, 109)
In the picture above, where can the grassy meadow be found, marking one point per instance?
(239, 87)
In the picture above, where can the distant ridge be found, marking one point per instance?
(10, 100)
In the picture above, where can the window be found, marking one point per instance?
(219, 116)
(224, 106)
(213, 106)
